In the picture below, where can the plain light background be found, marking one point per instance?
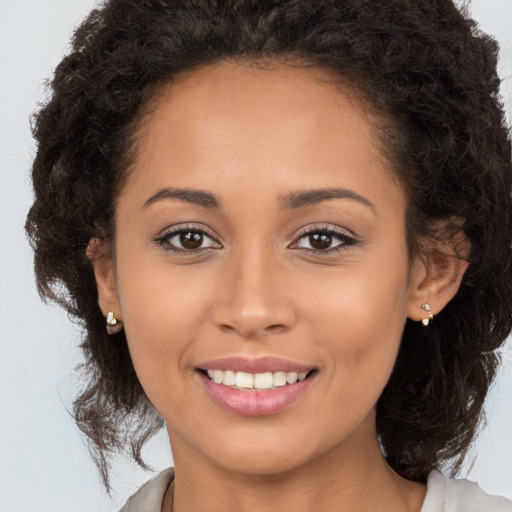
(44, 464)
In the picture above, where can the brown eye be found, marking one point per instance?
(191, 240)
(324, 241)
(187, 240)
(320, 241)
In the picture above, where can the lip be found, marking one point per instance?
(260, 365)
(256, 403)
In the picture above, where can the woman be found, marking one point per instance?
(293, 219)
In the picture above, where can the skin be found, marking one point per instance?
(255, 289)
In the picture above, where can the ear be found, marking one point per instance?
(100, 255)
(437, 273)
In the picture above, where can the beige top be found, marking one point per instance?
(443, 495)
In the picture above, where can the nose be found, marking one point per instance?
(255, 298)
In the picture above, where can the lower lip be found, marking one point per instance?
(256, 403)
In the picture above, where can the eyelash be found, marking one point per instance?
(164, 239)
(345, 239)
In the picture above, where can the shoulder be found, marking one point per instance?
(150, 496)
(450, 495)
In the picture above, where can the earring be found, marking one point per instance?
(113, 324)
(430, 316)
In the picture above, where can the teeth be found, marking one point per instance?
(291, 377)
(263, 380)
(229, 378)
(279, 379)
(258, 381)
(244, 380)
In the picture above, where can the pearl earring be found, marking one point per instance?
(114, 325)
(429, 317)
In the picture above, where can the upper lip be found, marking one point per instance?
(259, 365)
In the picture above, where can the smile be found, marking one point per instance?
(260, 387)
(245, 381)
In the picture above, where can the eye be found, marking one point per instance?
(323, 240)
(186, 240)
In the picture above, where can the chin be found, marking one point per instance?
(262, 463)
(264, 453)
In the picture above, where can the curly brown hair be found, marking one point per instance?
(422, 63)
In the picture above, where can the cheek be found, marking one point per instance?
(358, 320)
(163, 310)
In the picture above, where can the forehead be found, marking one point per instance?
(231, 120)
(278, 96)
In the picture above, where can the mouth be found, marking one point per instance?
(245, 381)
(255, 388)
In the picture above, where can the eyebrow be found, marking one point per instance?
(198, 197)
(315, 196)
(289, 201)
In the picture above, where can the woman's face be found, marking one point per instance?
(262, 233)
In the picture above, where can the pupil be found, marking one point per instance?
(320, 241)
(191, 240)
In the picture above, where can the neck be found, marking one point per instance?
(353, 477)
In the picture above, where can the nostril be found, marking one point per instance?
(227, 328)
(249, 333)
(275, 328)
